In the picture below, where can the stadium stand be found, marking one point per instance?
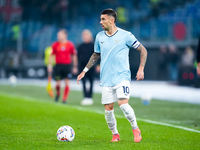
(153, 22)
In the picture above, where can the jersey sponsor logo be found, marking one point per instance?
(102, 42)
(62, 48)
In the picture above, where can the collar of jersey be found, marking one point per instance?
(112, 34)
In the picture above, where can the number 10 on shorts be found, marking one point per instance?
(126, 90)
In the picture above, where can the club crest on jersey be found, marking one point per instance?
(117, 41)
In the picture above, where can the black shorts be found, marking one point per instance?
(62, 71)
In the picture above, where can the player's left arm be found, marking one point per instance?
(143, 58)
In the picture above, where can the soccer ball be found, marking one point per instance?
(12, 80)
(65, 133)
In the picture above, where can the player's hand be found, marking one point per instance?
(80, 76)
(75, 70)
(140, 75)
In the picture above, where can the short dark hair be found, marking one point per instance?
(110, 12)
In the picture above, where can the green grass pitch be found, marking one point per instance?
(29, 119)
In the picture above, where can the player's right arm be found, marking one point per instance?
(93, 59)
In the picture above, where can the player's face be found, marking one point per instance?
(106, 22)
(61, 36)
(86, 36)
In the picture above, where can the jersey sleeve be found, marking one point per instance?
(96, 45)
(73, 49)
(131, 41)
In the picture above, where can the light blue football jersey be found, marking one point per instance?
(114, 50)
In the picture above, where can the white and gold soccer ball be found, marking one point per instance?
(65, 133)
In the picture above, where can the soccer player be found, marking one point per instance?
(63, 49)
(85, 50)
(112, 45)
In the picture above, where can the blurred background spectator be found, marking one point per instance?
(85, 51)
(31, 25)
(187, 59)
(197, 84)
(187, 67)
(198, 58)
(162, 63)
(173, 62)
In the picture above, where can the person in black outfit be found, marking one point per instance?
(198, 58)
(85, 50)
(162, 63)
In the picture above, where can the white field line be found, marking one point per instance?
(167, 124)
(27, 98)
(140, 119)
